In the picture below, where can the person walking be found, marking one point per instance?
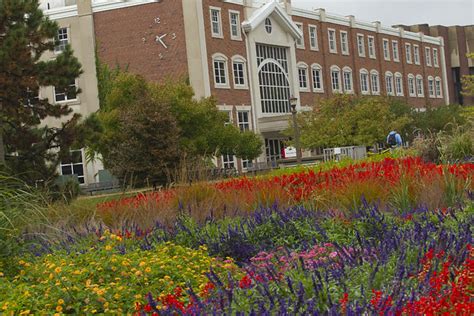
(394, 139)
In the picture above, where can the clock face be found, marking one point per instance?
(162, 39)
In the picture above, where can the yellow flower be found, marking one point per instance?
(60, 301)
(108, 247)
(138, 296)
(27, 312)
(1, 274)
(21, 262)
(76, 272)
(57, 270)
(57, 314)
(138, 273)
(142, 263)
(117, 296)
(59, 308)
(148, 269)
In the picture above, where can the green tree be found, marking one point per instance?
(27, 148)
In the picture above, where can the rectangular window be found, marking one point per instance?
(374, 79)
(364, 82)
(220, 77)
(313, 37)
(243, 120)
(361, 45)
(336, 80)
(216, 23)
(68, 94)
(416, 54)
(332, 41)
(389, 84)
(62, 40)
(228, 161)
(74, 165)
(234, 18)
(395, 53)
(438, 88)
(239, 74)
(428, 56)
(408, 52)
(386, 49)
(398, 85)
(347, 81)
(411, 86)
(317, 80)
(371, 42)
(431, 88)
(300, 41)
(344, 43)
(435, 57)
(31, 98)
(303, 78)
(419, 86)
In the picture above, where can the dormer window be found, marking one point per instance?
(268, 25)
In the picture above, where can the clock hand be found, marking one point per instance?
(160, 39)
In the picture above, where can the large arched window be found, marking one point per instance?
(364, 81)
(221, 77)
(317, 76)
(374, 82)
(347, 76)
(389, 83)
(336, 79)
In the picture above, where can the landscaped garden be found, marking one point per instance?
(381, 236)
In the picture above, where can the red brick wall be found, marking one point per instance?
(227, 47)
(126, 37)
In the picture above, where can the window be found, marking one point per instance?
(435, 57)
(31, 98)
(220, 71)
(416, 54)
(431, 87)
(428, 56)
(273, 78)
(389, 83)
(317, 78)
(398, 84)
(68, 94)
(386, 49)
(234, 18)
(374, 80)
(419, 86)
(395, 53)
(228, 161)
(364, 81)
(268, 25)
(74, 165)
(336, 79)
(347, 75)
(229, 120)
(411, 85)
(273, 149)
(313, 37)
(303, 77)
(360, 45)
(439, 91)
(300, 41)
(371, 42)
(62, 40)
(243, 120)
(408, 52)
(332, 41)
(344, 43)
(239, 72)
(216, 23)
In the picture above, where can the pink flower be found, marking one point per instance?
(333, 254)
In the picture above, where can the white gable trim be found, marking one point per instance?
(281, 16)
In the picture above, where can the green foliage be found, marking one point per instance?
(440, 118)
(458, 145)
(26, 36)
(468, 80)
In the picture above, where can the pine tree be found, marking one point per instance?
(28, 147)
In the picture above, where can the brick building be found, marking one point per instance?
(252, 56)
(459, 42)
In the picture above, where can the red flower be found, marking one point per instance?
(245, 282)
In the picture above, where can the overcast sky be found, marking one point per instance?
(391, 12)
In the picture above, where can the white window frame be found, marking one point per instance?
(241, 60)
(428, 56)
(303, 67)
(389, 84)
(300, 42)
(243, 125)
(66, 100)
(411, 85)
(375, 73)
(364, 72)
(313, 46)
(229, 161)
(72, 164)
(333, 32)
(408, 53)
(386, 49)
(398, 84)
(347, 71)
(416, 54)
(395, 51)
(431, 87)
(361, 49)
(221, 58)
(219, 34)
(336, 70)
(371, 44)
(64, 42)
(344, 35)
(238, 36)
(420, 89)
(435, 57)
(317, 67)
(438, 88)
